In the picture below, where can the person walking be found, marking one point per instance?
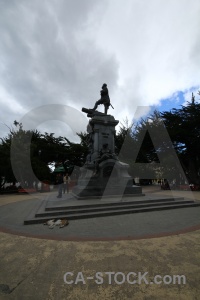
(60, 185)
(66, 180)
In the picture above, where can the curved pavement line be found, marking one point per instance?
(89, 238)
(103, 239)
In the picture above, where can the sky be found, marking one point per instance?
(61, 52)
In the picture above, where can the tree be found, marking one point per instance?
(6, 174)
(152, 154)
(147, 152)
(42, 150)
(123, 132)
(184, 129)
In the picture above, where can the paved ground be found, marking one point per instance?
(32, 268)
(139, 225)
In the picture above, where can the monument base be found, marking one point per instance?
(112, 179)
(98, 193)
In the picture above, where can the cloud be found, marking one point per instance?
(49, 56)
(60, 52)
(157, 44)
(67, 120)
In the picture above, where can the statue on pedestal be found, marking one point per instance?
(102, 171)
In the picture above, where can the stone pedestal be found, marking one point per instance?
(101, 129)
(103, 174)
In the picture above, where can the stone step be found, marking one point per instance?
(116, 203)
(113, 212)
(107, 207)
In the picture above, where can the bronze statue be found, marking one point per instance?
(105, 99)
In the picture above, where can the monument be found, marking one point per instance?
(103, 174)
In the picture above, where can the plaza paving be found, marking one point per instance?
(34, 258)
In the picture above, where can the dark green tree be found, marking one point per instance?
(6, 174)
(183, 126)
(43, 151)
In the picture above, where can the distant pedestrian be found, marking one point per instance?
(59, 181)
(66, 180)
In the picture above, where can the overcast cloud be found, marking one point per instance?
(60, 52)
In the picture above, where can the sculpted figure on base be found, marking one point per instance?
(104, 154)
(105, 99)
